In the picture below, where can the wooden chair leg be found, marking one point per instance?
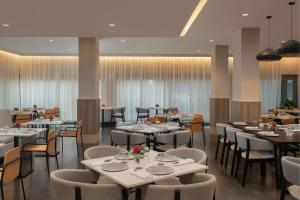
(47, 160)
(217, 148)
(223, 153)
(227, 155)
(62, 145)
(82, 144)
(24, 196)
(77, 146)
(2, 193)
(245, 173)
(238, 160)
(233, 162)
(263, 169)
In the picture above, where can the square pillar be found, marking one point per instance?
(88, 103)
(245, 76)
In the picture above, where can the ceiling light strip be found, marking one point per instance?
(193, 17)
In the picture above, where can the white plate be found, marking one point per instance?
(160, 170)
(114, 167)
(268, 133)
(253, 128)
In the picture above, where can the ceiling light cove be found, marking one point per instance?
(193, 17)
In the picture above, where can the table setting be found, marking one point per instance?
(151, 167)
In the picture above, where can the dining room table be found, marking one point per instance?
(150, 129)
(154, 166)
(283, 137)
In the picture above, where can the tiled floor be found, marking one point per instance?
(228, 188)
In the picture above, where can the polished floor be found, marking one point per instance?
(228, 188)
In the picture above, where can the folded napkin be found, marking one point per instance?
(98, 162)
(268, 133)
(141, 174)
(252, 128)
(184, 162)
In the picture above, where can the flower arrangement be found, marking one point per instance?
(138, 152)
(273, 124)
(50, 117)
(18, 125)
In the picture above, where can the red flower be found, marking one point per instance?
(137, 149)
(18, 124)
(274, 123)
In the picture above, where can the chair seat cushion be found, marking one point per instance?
(169, 181)
(294, 190)
(6, 139)
(259, 155)
(35, 147)
(67, 134)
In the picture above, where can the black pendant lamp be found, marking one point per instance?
(268, 54)
(291, 47)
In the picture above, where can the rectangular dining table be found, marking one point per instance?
(149, 129)
(129, 179)
(280, 143)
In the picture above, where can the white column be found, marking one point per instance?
(88, 103)
(245, 75)
(220, 79)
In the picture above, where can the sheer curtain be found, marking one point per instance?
(145, 81)
(50, 81)
(9, 80)
(270, 85)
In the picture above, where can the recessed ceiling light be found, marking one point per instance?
(69, 49)
(283, 41)
(123, 40)
(211, 40)
(199, 50)
(51, 40)
(245, 14)
(193, 17)
(111, 25)
(5, 25)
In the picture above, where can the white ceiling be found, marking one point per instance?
(147, 28)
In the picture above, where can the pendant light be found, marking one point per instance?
(268, 54)
(291, 47)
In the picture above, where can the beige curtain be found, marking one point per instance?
(145, 81)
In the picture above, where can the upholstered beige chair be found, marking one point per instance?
(178, 139)
(11, 169)
(78, 184)
(291, 171)
(197, 155)
(101, 151)
(200, 186)
(71, 132)
(49, 149)
(142, 113)
(124, 139)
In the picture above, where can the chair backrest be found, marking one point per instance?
(79, 127)
(22, 118)
(231, 134)
(65, 182)
(167, 138)
(54, 111)
(51, 141)
(157, 118)
(118, 137)
(137, 138)
(220, 127)
(101, 151)
(202, 186)
(120, 110)
(5, 118)
(197, 123)
(11, 164)
(183, 137)
(197, 155)
(252, 143)
(291, 169)
(285, 121)
(171, 110)
(140, 110)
